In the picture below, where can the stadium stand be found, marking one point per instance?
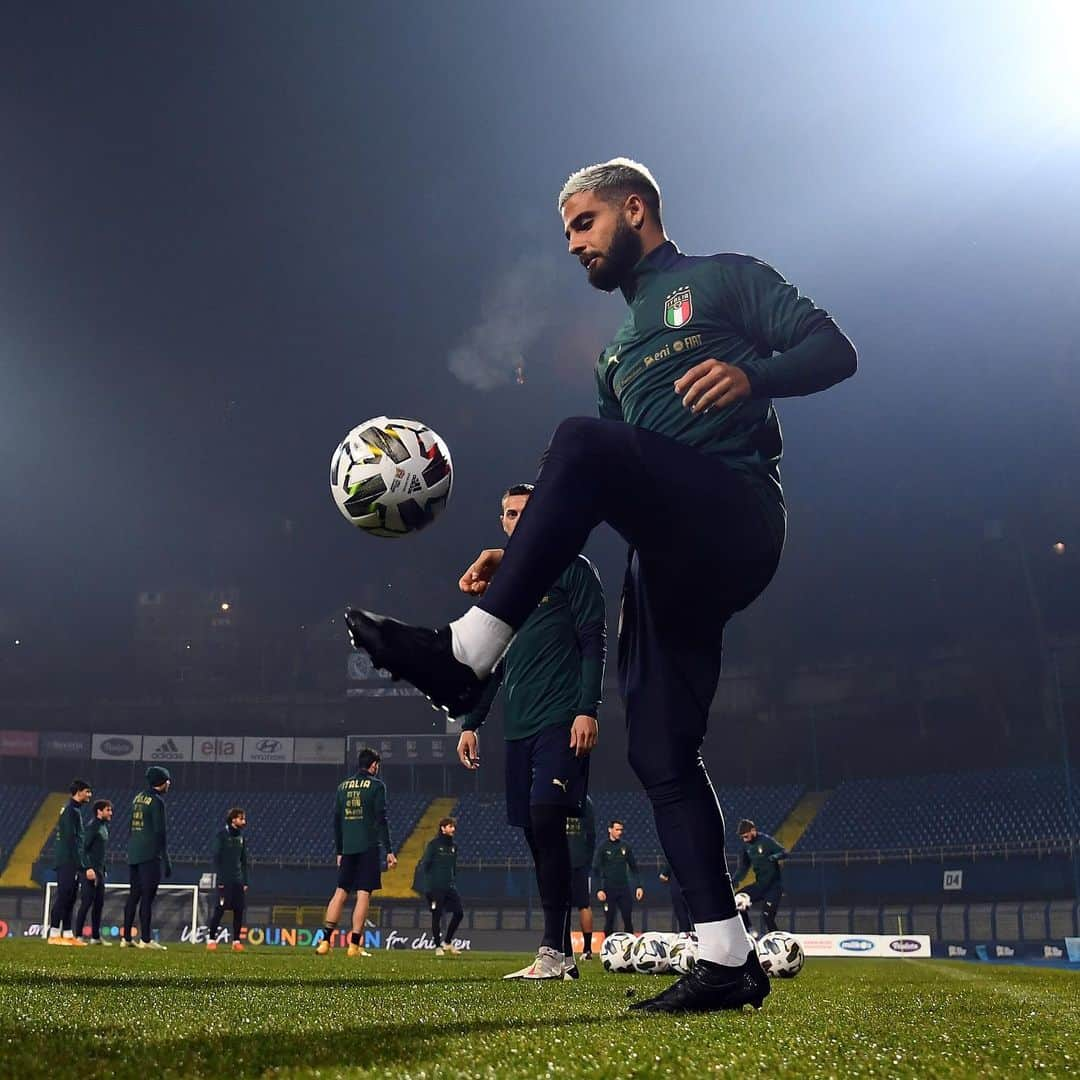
(1000, 806)
(18, 804)
(483, 834)
(291, 827)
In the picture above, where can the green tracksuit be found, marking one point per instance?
(438, 867)
(735, 308)
(95, 841)
(763, 855)
(360, 815)
(554, 668)
(615, 866)
(581, 836)
(230, 856)
(68, 838)
(148, 830)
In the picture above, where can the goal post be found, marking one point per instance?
(174, 906)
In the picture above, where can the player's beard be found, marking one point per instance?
(622, 255)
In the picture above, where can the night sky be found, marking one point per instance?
(232, 231)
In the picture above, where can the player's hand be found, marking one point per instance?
(391, 861)
(90, 875)
(639, 894)
(478, 577)
(601, 896)
(584, 732)
(712, 384)
(468, 750)
(339, 860)
(663, 879)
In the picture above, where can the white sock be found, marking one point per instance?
(68, 933)
(724, 941)
(54, 931)
(479, 640)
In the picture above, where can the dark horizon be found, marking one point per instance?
(235, 232)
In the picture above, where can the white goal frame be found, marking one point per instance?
(51, 886)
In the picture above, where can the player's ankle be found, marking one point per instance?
(478, 639)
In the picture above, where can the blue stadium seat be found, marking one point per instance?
(1016, 805)
(483, 833)
(18, 805)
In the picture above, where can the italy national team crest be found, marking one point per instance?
(678, 308)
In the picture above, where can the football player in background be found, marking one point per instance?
(92, 892)
(553, 676)
(148, 857)
(763, 855)
(360, 829)
(69, 861)
(231, 867)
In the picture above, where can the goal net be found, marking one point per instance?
(176, 911)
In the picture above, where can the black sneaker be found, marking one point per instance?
(709, 987)
(420, 656)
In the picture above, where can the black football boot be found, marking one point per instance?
(710, 987)
(419, 656)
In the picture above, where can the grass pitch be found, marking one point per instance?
(287, 1013)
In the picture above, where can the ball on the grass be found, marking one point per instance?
(615, 953)
(649, 954)
(682, 954)
(781, 956)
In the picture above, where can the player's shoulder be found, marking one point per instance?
(731, 265)
(581, 569)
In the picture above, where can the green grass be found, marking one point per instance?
(287, 1013)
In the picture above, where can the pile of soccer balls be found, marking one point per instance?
(652, 953)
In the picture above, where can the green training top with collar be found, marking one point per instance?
(438, 866)
(95, 841)
(762, 854)
(615, 866)
(230, 856)
(360, 815)
(148, 840)
(68, 838)
(554, 668)
(685, 309)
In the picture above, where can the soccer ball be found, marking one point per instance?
(391, 477)
(649, 954)
(781, 955)
(682, 954)
(615, 952)
(742, 901)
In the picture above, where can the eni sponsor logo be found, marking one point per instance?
(691, 341)
(856, 944)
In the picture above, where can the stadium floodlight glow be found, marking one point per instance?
(1055, 71)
